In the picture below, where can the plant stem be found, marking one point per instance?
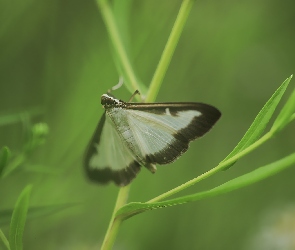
(219, 167)
(169, 50)
(115, 222)
(114, 34)
(112, 28)
(116, 40)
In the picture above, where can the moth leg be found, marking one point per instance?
(151, 167)
(117, 86)
(136, 92)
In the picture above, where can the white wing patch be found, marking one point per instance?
(111, 150)
(146, 133)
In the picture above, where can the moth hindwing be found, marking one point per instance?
(131, 135)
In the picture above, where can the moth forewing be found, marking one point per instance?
(131, 135)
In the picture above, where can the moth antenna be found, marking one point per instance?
(136, 92)
(118, 85)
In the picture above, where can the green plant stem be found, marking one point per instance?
(219, 167)
(4, 240)
(110, 22)
(115, 222)
(114, 34)
(112, 28)
(169, 50)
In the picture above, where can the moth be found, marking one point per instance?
(130, 135)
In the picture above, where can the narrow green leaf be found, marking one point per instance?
(16, 162)
(18, 219)
(4, 240)
(262, 119)
(286, 113)
(4, 156)
(259, 174)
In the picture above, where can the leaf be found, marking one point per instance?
(4, 240)
(35, 212)
(257, 175)
(4, 157)
(14, 164)
(285, 115)
(262, 119)
(18, 219)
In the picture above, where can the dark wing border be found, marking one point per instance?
(104, 175)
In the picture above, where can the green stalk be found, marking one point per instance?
(115, 223)
(114, 34)
(169, 50)
(110, 22)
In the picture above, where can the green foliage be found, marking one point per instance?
(18, 219)
(121, 56)
(56, 55)
(35, 136)
(286, 115)
(257, 175)
(262, 119)
(248, 143)
(4, 240)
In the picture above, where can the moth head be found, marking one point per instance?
(109, 101)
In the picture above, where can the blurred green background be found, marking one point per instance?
(56, 56)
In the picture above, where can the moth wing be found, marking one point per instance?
(144, 134)
(108, 158)
(163, 131)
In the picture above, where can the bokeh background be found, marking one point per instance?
(55, 56)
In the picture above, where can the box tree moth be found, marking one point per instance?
(130, 135)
